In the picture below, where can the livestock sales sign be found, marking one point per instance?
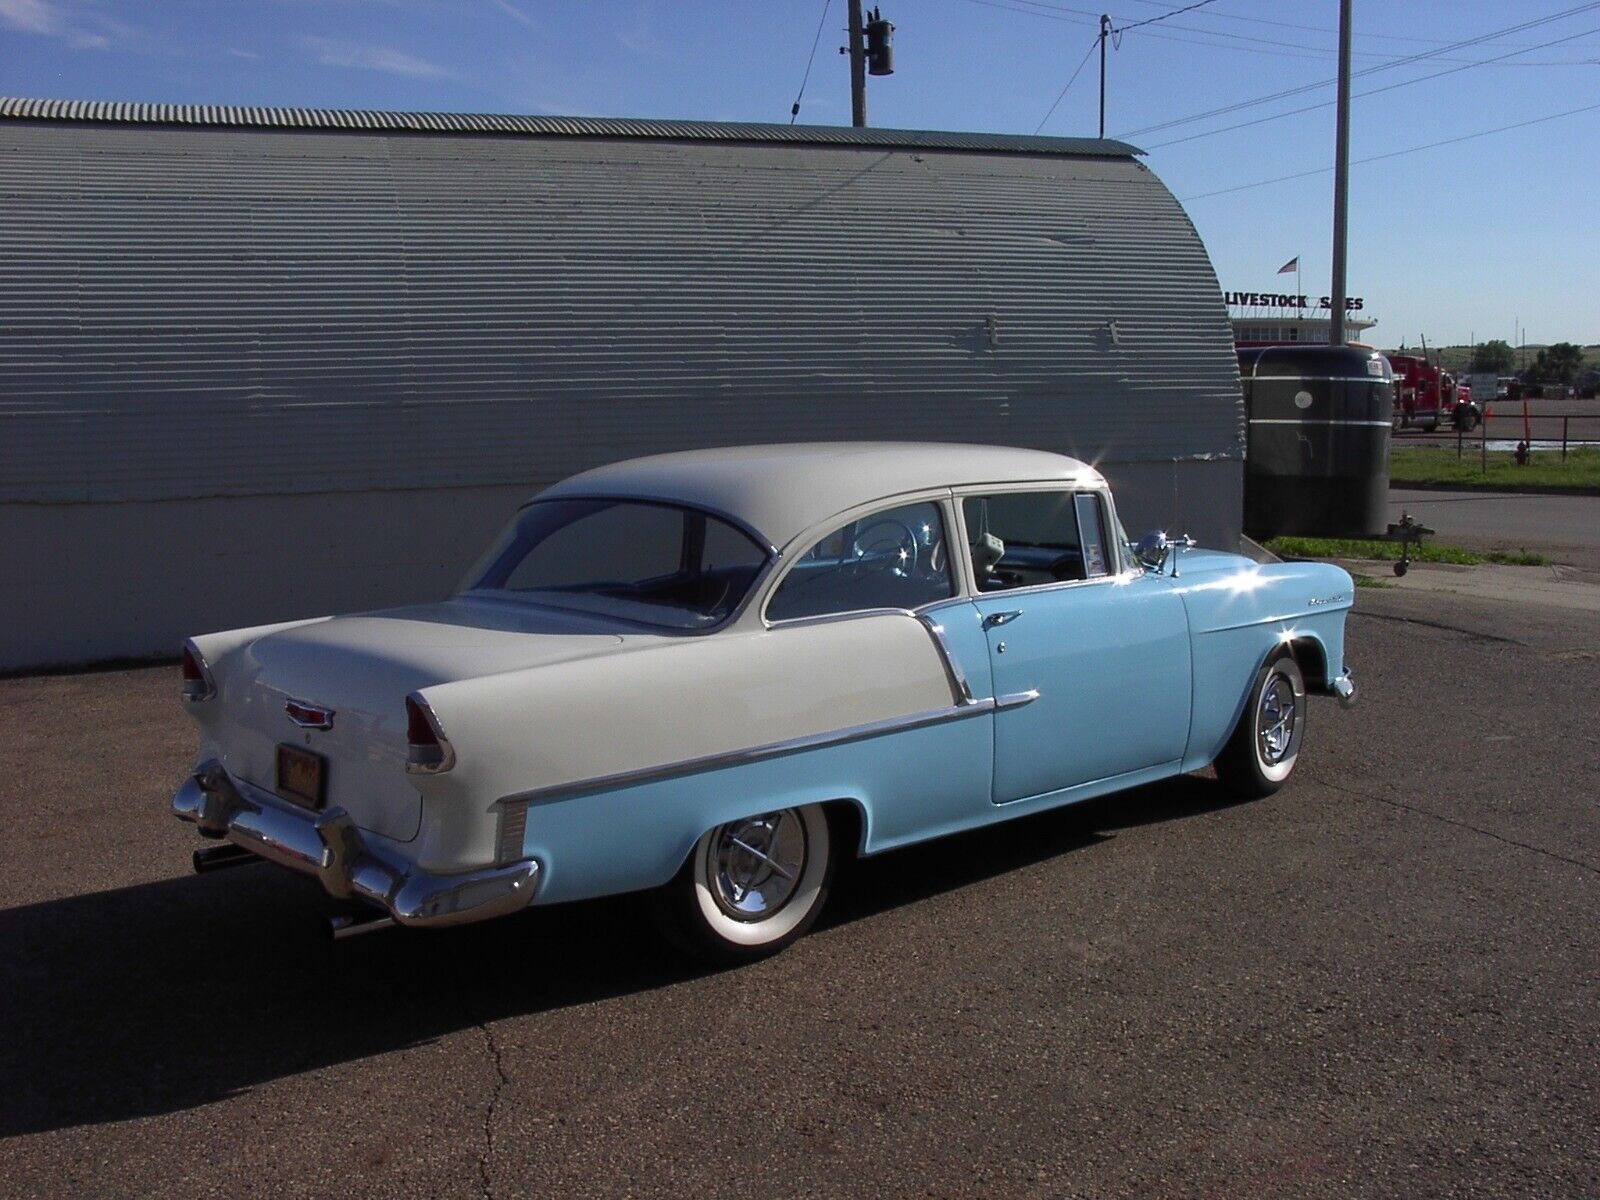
(1281, 300)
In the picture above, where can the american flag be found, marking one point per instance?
(1292, 265)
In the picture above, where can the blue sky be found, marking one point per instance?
(1461, 239)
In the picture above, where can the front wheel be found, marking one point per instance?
(750, 887)
(1261, 753)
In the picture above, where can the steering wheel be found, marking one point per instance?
(1069, 566)
(884, 545)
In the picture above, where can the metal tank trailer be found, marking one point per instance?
(1317, 458)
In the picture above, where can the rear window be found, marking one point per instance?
(654, 564)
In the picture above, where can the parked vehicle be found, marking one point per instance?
(1427, 396)
(717, 673)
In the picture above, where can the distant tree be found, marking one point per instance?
(1555, 364)
(1563, 361)
(1495, 357)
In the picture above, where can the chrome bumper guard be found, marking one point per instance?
(1344, 687)
(329, 846)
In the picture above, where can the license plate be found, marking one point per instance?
(302, 776)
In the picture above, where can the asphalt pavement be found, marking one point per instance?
(1566, 529)
(1379, 982)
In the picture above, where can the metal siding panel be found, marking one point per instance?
(228, 311)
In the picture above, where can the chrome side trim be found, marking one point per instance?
(328, 846)
(960, 689)
(511, 833)
(1015, 699)
(737, 758)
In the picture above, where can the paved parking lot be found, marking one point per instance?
(1380, 982)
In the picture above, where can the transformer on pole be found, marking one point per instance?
(871, 53)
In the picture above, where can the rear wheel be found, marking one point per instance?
(751, 887)
(1262, 751)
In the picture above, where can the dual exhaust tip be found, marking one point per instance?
(341, 926)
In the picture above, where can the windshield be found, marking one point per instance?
(654, 564)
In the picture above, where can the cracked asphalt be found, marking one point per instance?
(1383, 981)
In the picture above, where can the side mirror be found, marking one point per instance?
(1155, 548)
(1152, 550)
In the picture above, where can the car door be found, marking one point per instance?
(1105, 648)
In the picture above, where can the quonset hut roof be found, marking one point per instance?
(236, 117)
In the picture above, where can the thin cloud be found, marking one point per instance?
(516, 14)
(45, 19)
(331, 52)
(238, 53)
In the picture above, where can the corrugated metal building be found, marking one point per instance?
(257, 364)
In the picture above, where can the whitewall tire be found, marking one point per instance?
(752, 886)
(1265, 745)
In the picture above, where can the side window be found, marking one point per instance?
(1023, 539)
(896, 558)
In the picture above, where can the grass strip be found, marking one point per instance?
(1431, 552)
(1439, 465)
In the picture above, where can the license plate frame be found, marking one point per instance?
(302, 776)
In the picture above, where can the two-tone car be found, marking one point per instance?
(714, 674)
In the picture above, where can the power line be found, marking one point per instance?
(1294, 112)
(1177, 12)
(794, 112)
(1465, 137)
(1399, 62)
(1386, 36)
(1254, 45)
(1073, 79)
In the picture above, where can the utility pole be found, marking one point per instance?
(1105, 32)
(858, 69)
(870, 54)
(1341, 180)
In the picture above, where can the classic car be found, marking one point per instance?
(713, 674)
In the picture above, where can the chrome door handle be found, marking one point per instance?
(995, 619)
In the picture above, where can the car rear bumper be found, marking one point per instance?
(328, 846)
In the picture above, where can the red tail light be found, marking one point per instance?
(197, 683)
(428, 750)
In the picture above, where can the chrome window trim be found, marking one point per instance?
(810, 537)
(752, 754)
(1123, 573)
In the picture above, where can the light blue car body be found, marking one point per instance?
(1138, 680)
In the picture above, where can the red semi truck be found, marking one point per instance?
(1427, 396)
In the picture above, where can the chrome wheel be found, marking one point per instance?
(751, 886)
(1275, 720)
(755, 865)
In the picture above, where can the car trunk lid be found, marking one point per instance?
(337, 689)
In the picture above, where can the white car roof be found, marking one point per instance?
(782, 490)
